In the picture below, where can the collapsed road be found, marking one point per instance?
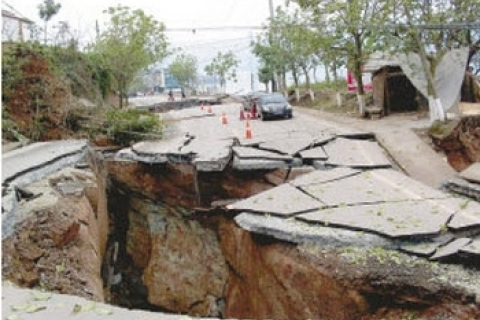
(302, 220)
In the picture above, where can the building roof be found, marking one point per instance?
(10, 14)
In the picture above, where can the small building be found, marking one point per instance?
(15, 28)
(392, 90)
(399, 82)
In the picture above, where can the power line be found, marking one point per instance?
(427, 26)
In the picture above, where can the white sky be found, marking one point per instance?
(175, 14)
(81, 15)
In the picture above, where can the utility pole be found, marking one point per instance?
(274, 76)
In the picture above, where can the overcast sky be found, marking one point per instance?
(175, 14)
(221, 15)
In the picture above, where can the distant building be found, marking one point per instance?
(15, 28)
(170, 81)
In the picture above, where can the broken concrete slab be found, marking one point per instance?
(280, 176)
(160, 147)
(254, 153)
(128, 154)
(210, 155)
(472, 173)
(467, 213)
(423, 249)
(356, 154)
(296, 231)
(472, 248)
(392, 219)
(260, 164)
(463, 188)
(284, 200)
(289, 146)
(35, 161)
(450, 248)
(372, 187)
(316, 153)
(319, 176)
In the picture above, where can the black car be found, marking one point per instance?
(273, 105)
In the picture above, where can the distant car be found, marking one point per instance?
(273, 105)
(251, 99)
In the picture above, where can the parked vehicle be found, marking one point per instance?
(250, 100)
(273, 105)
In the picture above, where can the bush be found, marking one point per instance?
(127, 126)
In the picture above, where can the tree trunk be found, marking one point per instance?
(327, 73)
(334, 70)
(307, 77)
(357, 64)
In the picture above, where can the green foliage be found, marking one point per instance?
(46, 11)
(184, 69)
(126, 126)
(11, 72)
(224, 66)
(132, 41)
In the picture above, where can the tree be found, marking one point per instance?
(132, 42)
(224, 66)
(184, 69)
(265, 74)
(47, 10)
(352, 21)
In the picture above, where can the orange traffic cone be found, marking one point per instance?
(224, 118)
(242, 114)
(248, 130)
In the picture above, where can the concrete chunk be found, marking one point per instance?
(283, 200)
(316, 153)
(467, 213)
(450, 248)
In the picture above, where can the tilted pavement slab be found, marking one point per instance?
(316, 153)
(467, 213)
(450, 248)
(473, 247)
(415, 157)
(297, 231)
(374, 186)
(391, 219)
(40, 159)
(284, 200)
(356, 153)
